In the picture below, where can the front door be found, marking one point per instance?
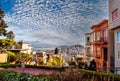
(105, 57)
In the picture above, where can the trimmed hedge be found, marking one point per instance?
(6, 75)
(7, 65)
(69, 75)
(84, 75)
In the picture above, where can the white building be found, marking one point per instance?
(23, 47)
(89, 46)
(27, 47)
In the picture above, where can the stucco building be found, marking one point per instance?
(114, 17)
(89, 46)
(24, 47)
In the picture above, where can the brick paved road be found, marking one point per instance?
(33, 71)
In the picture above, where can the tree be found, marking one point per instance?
(3, 25)
(56, 50)
(7, 43)
(23, 58)
(56, 61)
(10, 35)
(1, 13)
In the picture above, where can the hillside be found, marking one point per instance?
(73, 49)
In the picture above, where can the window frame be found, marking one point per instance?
(118, 36)
(105, 34)
(115, 12)
(97, 36)
(118, 55)
(98, 51)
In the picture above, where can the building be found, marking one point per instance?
(23, 47)
(100, 33)
(89, 46)
(26, 46)
(114, 16)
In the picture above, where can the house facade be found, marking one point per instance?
(89, 46)
(100, 33)
(23, 47)
(114, 16)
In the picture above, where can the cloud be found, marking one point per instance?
(57, 22)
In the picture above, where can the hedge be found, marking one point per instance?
(6, 75)
(84, 75)
(7, 65)
(69, 75)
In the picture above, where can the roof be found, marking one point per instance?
(87, 33)
(17, 49)
(102, 22)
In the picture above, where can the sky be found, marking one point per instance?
(51, 23)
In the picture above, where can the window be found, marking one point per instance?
(115, 14)
(88, 49)
(119, 55)
(97, 50)
(88, 39)
(94, 36)
(104, 35)
(97, 36)
(118, 36)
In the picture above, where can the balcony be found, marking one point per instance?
(102, 40)
(88, 43)
(89, 55)
(97, 56)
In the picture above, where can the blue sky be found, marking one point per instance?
(51, 23)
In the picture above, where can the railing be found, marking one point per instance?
(104, 39)
(88, 43)
(113, 70)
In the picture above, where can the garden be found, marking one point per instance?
(70, 74)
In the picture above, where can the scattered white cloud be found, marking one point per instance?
(55, 22)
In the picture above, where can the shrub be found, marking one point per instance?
(56, 62)
(22, 57)
(72, 63)
(11, 56)
(14, 76)
(69, 75)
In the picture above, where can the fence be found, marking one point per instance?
(115, 70)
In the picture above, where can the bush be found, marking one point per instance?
(56, 62)
(14, 76)
(69, 75)
(72, 63)
(23, 57)
(83, 75)
(8, 65)
(11, 56)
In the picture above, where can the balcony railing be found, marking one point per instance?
(97, 56)
(102, 40)
(88, 43)
(89, 55)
